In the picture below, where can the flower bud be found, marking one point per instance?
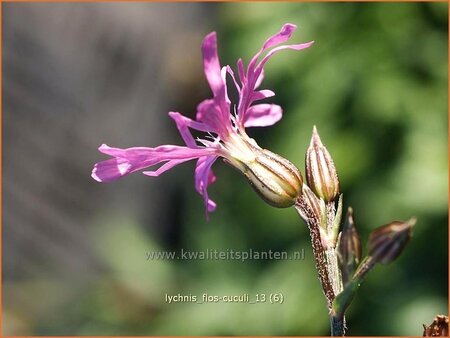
(321, 173)
(387, 242)
(349, 247)
(274, 178)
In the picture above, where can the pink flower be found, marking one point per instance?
(225, 125)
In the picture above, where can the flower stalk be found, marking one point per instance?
(322, 262)
(325, 251)
(394, 239)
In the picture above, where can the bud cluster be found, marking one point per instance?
(338, 252)
(321, 203)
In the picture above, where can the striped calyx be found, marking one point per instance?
(273, 177)
(321, 172)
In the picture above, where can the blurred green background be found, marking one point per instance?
(375, 85)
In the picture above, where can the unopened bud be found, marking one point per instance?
(349, 247)
(387, 242)
(321, 172)
(273, 177)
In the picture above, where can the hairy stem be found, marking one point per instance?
(319, 253)
(333, 270)
(322, 229)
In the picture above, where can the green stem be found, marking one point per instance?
(364, 267)
(343, 299)
(337, 326)
(324, 228)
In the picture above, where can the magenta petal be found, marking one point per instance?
(184, 123)
(230, 71)
(263, 115)
(255, 73)
(207, 112)
(216, 77)
(133, 159)
(105, 149)
(156, 155)
(259, 68)
(262, 94)
(277, 49)
(110, 170)
(204, 176)
(241, 71)
(259, 80)
(283, 35)
(166, 166)
(211, 64)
